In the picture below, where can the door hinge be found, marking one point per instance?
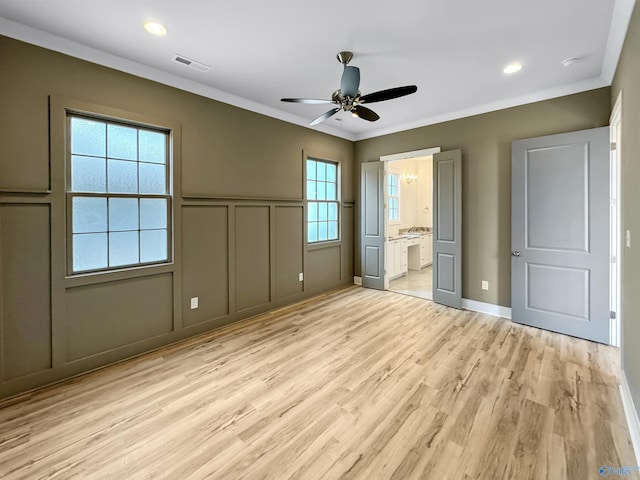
(614, 259)
(612, 315)
(613, 146)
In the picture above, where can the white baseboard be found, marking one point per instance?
(632, 416)
(473, 305)
(488, 308)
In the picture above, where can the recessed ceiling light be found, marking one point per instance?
(512, 68)
(155, 28)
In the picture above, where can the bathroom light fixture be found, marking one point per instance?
(411, 178)
(154, 27)
(512, 68)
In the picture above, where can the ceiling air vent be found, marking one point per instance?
(191, 63)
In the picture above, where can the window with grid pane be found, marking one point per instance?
(118, 195)
(393, 194)
(322, 201)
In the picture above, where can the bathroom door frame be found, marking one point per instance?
(425, 152)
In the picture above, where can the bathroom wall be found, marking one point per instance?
(415, 197)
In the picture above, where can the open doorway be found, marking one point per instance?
(446, 250)
(409, 223)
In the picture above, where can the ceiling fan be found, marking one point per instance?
(348, 97)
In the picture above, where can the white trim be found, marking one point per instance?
(49, 41)
(357, 280)
(631, 415)
(616, 111)
(396, 173)
(620, 19)
(615, 122)
(425, 152)
(488, 308)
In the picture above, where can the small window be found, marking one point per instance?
(393, 194)
(118, 195)
(323, 205)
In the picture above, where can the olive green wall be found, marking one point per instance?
(627, 80)
(238, 221)
(485, 141)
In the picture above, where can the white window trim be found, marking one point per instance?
(397, 221)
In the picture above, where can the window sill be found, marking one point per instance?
(321, 245)
(82, 279)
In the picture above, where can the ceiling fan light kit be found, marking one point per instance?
(348, 97)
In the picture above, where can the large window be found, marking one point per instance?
(118, 195)
(393, 194)
(322, 201)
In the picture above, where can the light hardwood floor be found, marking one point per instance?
(417, 283)
(355, 384)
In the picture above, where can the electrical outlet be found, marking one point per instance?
(194, 303)
(300, 277)
(627, 238)
(485, 285)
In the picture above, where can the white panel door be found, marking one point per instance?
(560, 233)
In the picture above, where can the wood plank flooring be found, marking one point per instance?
(355, 384)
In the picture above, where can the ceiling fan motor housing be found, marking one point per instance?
(350, 82)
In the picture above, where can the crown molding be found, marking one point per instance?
(620, 18)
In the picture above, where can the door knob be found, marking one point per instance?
(515, 253)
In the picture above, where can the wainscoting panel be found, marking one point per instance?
(205, 265)
(105, 316)
(252, 256)
(288, 250)
(25, 311)
(323, 267)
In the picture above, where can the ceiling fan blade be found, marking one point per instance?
(350, 82)
(365, 113)
(324, 116)
(383, 95)
(310, 101)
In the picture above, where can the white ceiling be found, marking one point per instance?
(260, 51)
